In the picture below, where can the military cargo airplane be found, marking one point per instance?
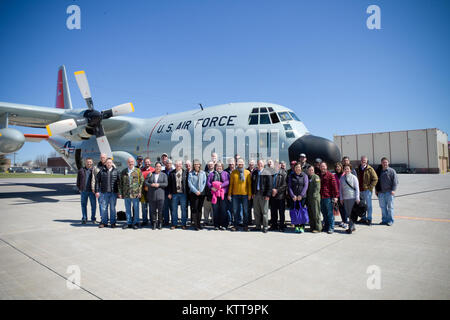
(251, 129)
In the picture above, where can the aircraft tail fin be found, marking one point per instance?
(63, 100)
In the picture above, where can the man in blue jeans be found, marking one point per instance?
(385, 191)
(329, 194)
(130, 188)
(177, 189)
(367, 179)
(239, 192)
(84, 184)
(106, 188)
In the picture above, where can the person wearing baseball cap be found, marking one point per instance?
(305, 165)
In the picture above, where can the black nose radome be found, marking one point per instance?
(315, 147)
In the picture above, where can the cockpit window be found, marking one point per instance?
(261, 110)
(294, 116)
(253, 119)
(287, 126)
(255, 110)
(274, 117)
(270, 109)
(264, 119)
(290, 134)
(284, 116)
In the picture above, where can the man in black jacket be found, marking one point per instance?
(277, 200)
(85, 179)
(261, 192)
(177, 189)
(106, 189)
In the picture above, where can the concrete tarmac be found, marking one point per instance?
(43, 247)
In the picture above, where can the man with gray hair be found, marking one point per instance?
(239, 192)
(130, 189)
(261, 192)
(178, 191)
(385, 190)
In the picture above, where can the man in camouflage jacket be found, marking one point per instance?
(130, 189)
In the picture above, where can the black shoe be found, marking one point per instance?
(282, 229)
(101, 225)
(264, 230)
(94, 221)
(349, 231)
(369, 222)
(154, 226)
(273, 228)
(83, 221)
(135, 227)
(246, 229)
(143, 224)
(113, 225)
(126, 226)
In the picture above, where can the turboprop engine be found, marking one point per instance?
(11, 140)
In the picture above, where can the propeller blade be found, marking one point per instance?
(118, 110)
(83, 85)
(103, 146)
(122, 109)
(61, 126)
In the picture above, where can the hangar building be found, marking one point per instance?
(416, 151)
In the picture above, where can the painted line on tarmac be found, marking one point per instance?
(420, 192)
(47, 267)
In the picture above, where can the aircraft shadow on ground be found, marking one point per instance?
(39, 196)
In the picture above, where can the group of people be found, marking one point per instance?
(226, 197)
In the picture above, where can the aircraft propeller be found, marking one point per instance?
(92, 118)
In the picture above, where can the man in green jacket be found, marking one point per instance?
(130, 188)
(367, 178)
(313, 201)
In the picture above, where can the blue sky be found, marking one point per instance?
(316, 57)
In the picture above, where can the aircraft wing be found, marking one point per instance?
(39, 117)
(30, 116)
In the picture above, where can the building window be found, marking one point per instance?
(290, 134)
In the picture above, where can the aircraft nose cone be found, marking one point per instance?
(315, 147)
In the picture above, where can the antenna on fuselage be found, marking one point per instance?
(201, 106)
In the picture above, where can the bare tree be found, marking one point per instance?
(41, 161)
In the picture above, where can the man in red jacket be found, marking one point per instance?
(329, 194)
(146, 169)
